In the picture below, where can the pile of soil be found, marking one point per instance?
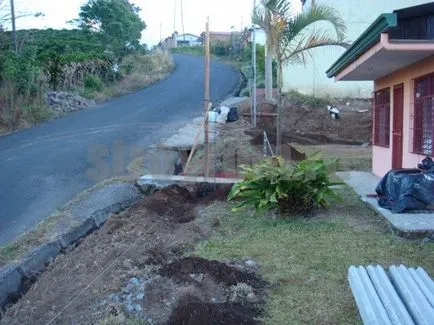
(194, 312)
(222, 272)
(206, 292)
(147, 279)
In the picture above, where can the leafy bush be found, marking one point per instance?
(93, 82)
(308, 100)
(288, 187)
(220, 48)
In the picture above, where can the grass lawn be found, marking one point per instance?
(306, 260)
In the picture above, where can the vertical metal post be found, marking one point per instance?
(254, 69)
(265, 144)
(207, 99)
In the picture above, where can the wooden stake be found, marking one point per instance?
(207, 99)
(196, 140)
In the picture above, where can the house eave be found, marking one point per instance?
(386, 57)
(370, 37)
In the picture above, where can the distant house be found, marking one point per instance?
(357, 14)
(396, 52)
(176, 40)
(218, 36)
(187, 40)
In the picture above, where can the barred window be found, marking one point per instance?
(382, 118)
(424, 116)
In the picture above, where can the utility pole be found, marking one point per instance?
(182, 20)
(174, 17)
(161, 33)
(254, 70)
(14, 28)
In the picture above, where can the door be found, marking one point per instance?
(398, 125)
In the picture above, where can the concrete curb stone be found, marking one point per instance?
(77, 233)
(101, 216)
(10, 282)
(34, 262)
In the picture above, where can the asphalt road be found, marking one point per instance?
(44, 167)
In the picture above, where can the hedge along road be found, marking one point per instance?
(44, 167)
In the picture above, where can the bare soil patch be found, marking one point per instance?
(307, 125)
(132, 266)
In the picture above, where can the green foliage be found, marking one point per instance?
(308, 100)
(194, 50)
(220, 48)
(246, 56)
(92, 82)
(291, 188)
(116, 21)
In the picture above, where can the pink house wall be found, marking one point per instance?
(382, 157)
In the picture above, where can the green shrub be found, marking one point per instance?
(245, 92)
(307, 100)
(92, 82)
(291, 188)
(220, 48)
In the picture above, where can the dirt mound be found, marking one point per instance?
(218, 293)
(221, 272)
(174, 203)
(192, 311)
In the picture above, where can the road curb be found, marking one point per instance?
(14, 276)
(242, 83)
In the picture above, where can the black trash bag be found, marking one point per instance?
(424, 189)
(232, 115)
(406, 189)
(427, 164)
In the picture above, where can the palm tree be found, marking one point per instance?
(290, 38)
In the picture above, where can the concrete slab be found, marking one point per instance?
(10, 282)
(102, 198)
(234, 101)
(409, 225)
(174, 179)
(185, 136)
(35, 261)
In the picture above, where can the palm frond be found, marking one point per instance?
(315, 14)
(299, 49)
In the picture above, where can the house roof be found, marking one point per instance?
(375, 48)
(225, 34)
(365, 41)
(188, 34)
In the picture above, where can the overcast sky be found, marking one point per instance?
(223, 14)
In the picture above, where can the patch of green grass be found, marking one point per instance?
(193, 50)
(306, 260)
(137, 71)
(356, 163)
(33, 238)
